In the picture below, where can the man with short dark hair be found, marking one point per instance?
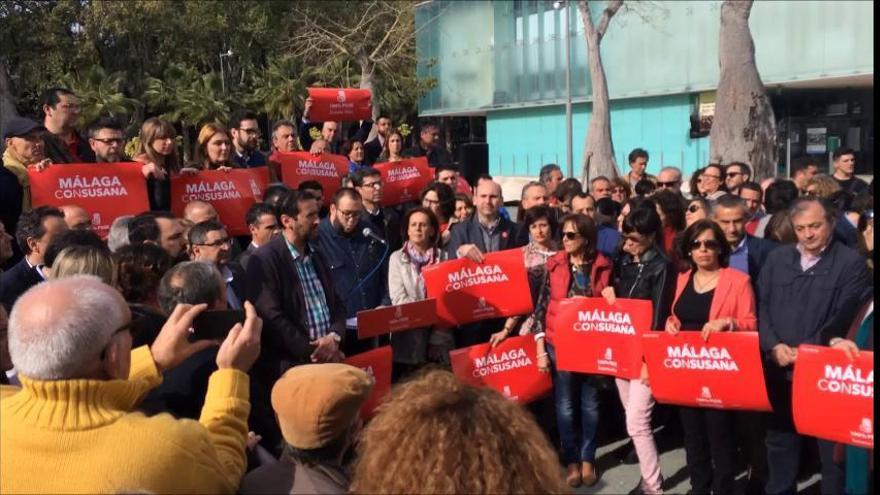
(748, 253)
(171, 236)
(447, 173)
(809, 293)
(753, 196)
(551, 175)
(245, 133)
(804, 169)
(533, 194)
(107, 140)
(209, 242)
(144, 229)
(373, 148)
(384, 222)
(34, 233)
(844, 171)
(429, 146)
(292, 287)
(584, 204)
(63, 144)
(600, 187)
(357, 264)
(638, 163)
(262, 225)
(735, 175)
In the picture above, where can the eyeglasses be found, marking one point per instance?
(668, 184)
(694, 208)
(373, 185)
(570, 236)
(110, 140)
(218, 243)
(710, 244)
(733, 174)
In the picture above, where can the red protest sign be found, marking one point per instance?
(592, 336)
(382, 321)
(833, 397)
(105, 190)
(340, 104)
(327, 169)
(467, 291)
(403, 181)
(377, 363)
(724, 373)
(231, 193)
(511, 368)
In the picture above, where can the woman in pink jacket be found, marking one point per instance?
(709, 298)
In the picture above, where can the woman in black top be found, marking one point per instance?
(641, 271)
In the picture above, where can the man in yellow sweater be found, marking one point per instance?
(72, 427)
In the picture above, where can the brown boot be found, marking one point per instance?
(573, 479)
(589, 476)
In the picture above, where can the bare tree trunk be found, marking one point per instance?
(598, 146)
(187, 149)
(744, 127)
(7, 100)
(367, 80)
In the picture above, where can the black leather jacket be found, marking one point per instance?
(652, 278)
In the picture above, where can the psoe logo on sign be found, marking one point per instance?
(483, 308)
(608, 354)
(607, 362)
(706, 397)
(340, 96)
(706, 393)
(398, 312)
(867, 426)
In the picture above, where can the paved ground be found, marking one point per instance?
(619, 478)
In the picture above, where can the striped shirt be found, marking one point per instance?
(317, 310)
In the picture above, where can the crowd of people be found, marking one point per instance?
(108, 390)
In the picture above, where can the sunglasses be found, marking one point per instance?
(570, 235)
(711, 245)
(716, 177)
(694, 208)
(668, 184)
(110, 140)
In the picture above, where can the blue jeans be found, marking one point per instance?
(575, 397)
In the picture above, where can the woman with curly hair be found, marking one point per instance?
(139, 269)
(437, 435)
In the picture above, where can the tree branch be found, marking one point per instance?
(607, 14)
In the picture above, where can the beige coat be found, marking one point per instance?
(406, 286)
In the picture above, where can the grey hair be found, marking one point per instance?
(530, 185)
(671, 169)
(801, 204)
(190, 282)
(118, 236)
(62, 347)
(728, 201)
(546, 170)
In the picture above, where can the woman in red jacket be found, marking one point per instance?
(579, 270)
(709, 298)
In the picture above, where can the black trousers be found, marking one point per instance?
(784, 444)
(751, 435)
(710, 449)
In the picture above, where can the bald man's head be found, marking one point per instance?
(199, 211)
(488, 200)
(76, 217)
(59, 329)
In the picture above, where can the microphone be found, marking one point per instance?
(368, 232)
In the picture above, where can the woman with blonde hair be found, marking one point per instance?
(84, 260)
(822, 185)
(157, 150)
(437, 435)
(213, 148)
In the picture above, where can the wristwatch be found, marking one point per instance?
(335, 336)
